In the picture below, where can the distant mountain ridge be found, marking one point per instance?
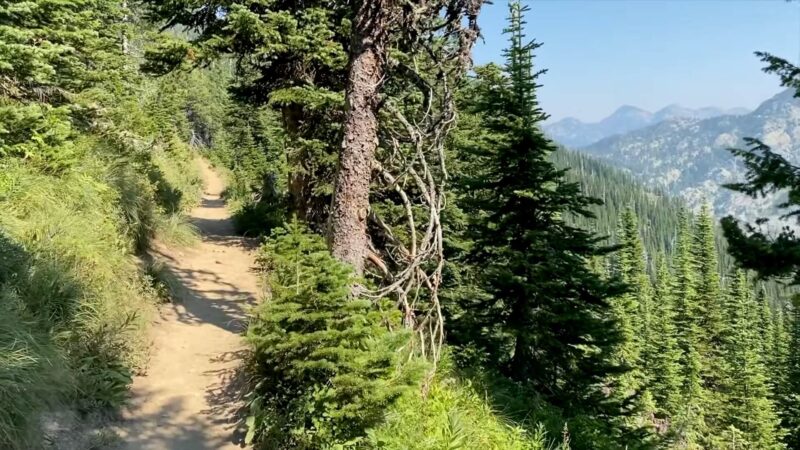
(689, 156)
(574, 133)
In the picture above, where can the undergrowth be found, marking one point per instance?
(326, 365)
(456, 414)
(74, 301)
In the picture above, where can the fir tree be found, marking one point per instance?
(327, 363)
(744, 399)
(663, 354)
(546, 319)
(707, 321)
(632, 309)
(789, 391)
(690, 422)
(51, 55)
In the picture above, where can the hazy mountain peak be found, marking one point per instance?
(690, 157)
(573, 132)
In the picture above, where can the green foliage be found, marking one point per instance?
(748, 406)
(33, 376)
(773, 251)
(456, 413)
(542, 316)
(89, 176)
(326, 363)
(657, 213)
(291, 56)
(51, 54)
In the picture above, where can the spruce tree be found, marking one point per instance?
(743, 396)
(707, 317)
(51, 55)
(327, 364)
(546, 319)
(690, 421)
(789, 391)
(664, 354)
(632, 309)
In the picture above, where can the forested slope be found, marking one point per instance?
(439, 273)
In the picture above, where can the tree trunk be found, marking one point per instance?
(348, 220)
(297, 183)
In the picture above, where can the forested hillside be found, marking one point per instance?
(438, 273)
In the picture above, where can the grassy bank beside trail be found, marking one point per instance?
(75, 300)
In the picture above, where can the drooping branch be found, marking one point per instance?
(418, 112)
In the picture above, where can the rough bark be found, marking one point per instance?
(350, 206)
(297, 183)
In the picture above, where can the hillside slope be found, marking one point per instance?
(689, 157)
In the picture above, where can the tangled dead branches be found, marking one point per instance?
(425, 66)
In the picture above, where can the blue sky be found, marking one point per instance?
(601, 54)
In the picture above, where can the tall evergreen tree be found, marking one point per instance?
(632, 308)
(690, 422)
(743, 396)
(789, 391)
(546, 319)
(707, 320)
(663, 354)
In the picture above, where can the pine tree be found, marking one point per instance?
(663, 354)
(744, 398)
(546, 319)
(690, 422)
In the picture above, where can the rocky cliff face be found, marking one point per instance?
(690, 157)
(574, 133)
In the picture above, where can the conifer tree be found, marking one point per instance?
(632, 308)
(690, 422)
(663, 354)
(744, 399)
(327, 363)
(547, 317)
(789, 391)
(51, 55)
(764, 321)
(707, 320)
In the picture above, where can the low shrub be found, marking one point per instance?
(326, 365)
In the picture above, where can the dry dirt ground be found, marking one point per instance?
(189, 397)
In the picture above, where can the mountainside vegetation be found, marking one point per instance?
(439, 273)
(95, 164)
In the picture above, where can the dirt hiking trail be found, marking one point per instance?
(189, 397)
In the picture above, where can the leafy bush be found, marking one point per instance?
(327, 365)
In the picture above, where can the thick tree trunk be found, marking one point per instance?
(348, 220)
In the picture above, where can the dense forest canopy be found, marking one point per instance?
(438, 272)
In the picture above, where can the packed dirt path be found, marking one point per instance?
(189, 397)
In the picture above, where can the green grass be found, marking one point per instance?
(75, 302)
(455, 414)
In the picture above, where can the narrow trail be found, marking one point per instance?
(189, 397)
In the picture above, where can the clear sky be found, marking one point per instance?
(601, 54)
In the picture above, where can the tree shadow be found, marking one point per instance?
(171, 428)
